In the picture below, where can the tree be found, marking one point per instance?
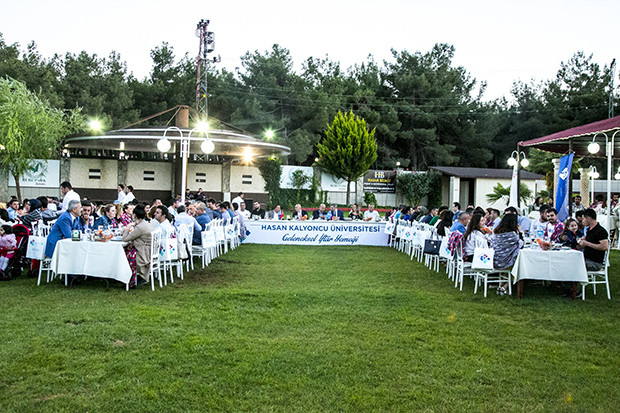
(502, 192)
(348, 149)
(299, 180)
(415, 186)
(30, 128)
(271, 172)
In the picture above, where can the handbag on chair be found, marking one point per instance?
(432, 246)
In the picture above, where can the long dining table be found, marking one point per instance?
(563, 265)
(93, 259)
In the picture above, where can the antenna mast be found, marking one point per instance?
(207, 45)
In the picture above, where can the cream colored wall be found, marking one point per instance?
(163, 175)
(236, 172)
(213, 176)
(485, 186)
(79, 173)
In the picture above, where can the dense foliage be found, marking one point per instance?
(425, 109)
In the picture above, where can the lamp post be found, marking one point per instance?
(593, 175)
(593, 148)
(207, 146)
(518, 159)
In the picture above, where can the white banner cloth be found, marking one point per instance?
(316, 233)
(95, 259)
(563, 265)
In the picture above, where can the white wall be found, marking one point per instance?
(213, 177)
(79, 174)
(236, 180)
(135, 175)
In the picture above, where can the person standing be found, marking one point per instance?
(238, 199)
(68, 195)
(121, 193)
(138, 234)
(129, 196)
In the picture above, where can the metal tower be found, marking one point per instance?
(612, 69)
(207, 45)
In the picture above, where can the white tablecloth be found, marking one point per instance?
(95, 259)
(318, 232)
(563, 265)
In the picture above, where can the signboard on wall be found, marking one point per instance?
(380, 181)
(43, 174)
(286, 180)
(333, 184)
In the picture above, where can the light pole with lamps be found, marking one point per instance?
(593, 175)
(593, 148)
(207, 146)
(518, 159)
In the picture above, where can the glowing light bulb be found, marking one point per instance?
(163, 145)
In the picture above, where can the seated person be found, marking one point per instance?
(319, 213)
(474, 236)
(257, 211)
(202, 218)
(554, 226)
(426, 219)
(371, 214)
(63, 226)
(355, 213)
(184, 218)
(276, 213)
(571, 233)
(461, 223)
(334, 214)
(107, 218)
(299, 213)
(7, 243)
(595, 243)
(86, 221)
(138, 234)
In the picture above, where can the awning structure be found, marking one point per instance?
(579, 138)
(227, 143)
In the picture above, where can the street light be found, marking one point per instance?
(517, 156)
(593, 175)
(593, 148)
(164, 145)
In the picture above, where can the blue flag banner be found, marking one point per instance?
(562, 196)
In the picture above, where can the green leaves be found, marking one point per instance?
(348, 149)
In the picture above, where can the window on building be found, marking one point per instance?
(201, 177)
(94, 174)
(246, 179)
(149, 175)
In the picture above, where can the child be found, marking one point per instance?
(7, 242)
(571, 233)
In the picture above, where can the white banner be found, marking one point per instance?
(44, 174)
(316, 233)
(333, 184)
(286, 180)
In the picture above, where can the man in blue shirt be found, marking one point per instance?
(202, 218)
(460, 224)
(12, 209)
(67, 222)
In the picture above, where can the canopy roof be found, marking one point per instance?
(580, 137)
(227, 143)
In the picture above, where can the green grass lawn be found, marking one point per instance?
(270, 328)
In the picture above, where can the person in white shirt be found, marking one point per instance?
(371, 214)
(68, 195)
(244, 212)
(474, 237)
(538, 228)
(160, 216)
(121, 193)
(238, 199)
(128, 195)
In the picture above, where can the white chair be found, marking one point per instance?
(598, 277)
(186, 235)
(491, 276)
(169, 256)
(154, 267)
